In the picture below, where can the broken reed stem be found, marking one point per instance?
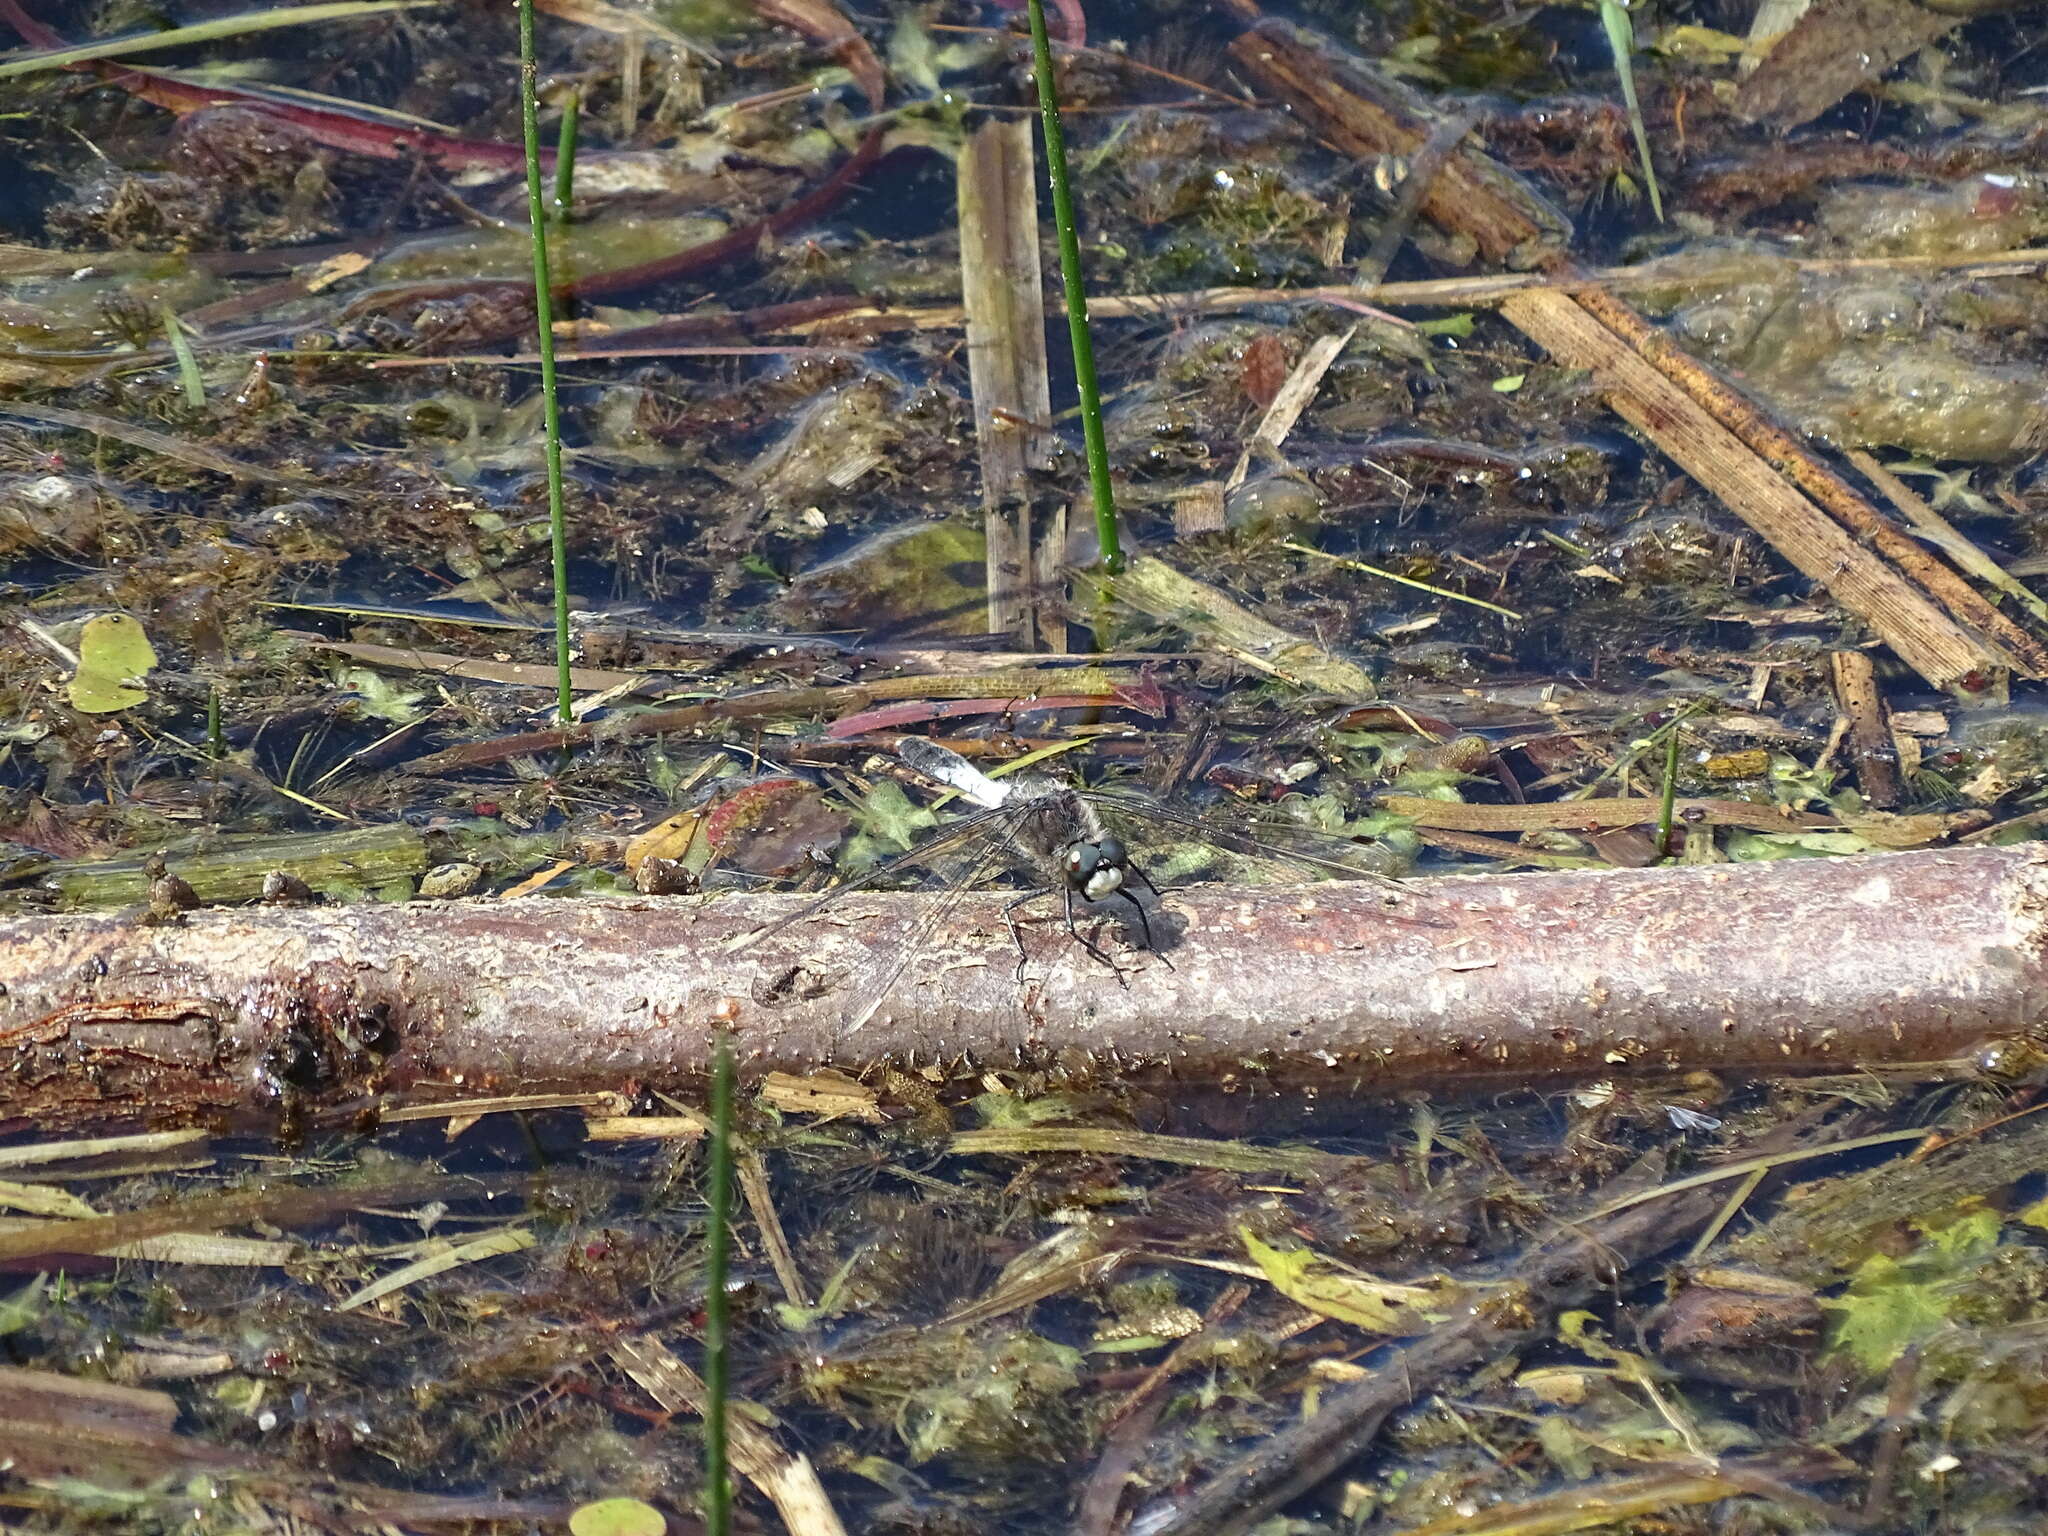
(1694, 437)
(1807, 472)
(717, 1263)
(1077, 296)
(1002, 290)
(544, 323)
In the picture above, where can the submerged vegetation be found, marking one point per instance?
(1415, 566)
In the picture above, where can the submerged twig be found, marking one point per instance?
(717, 1303)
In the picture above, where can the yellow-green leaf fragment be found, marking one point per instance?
(1307, 1278)
(441, 1259)
(617, 1517)
(114, 656)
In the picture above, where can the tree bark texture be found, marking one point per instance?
(1812, 964)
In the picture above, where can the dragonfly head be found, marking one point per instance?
(1096, 869)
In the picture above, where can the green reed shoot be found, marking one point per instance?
(544, 321)
(1621, 39)
(189, 376)
(565, 158)
(1667, 804)
(717, 1261)
(1077, 298)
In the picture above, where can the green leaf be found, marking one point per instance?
(1883, 1312)
(617, 1517)
(1456, 326)
(1508, 385)
(888, 824)
(1892, 1303)
(1133, 1344)
(382, 698)
(114, 655)
(1968, 1238)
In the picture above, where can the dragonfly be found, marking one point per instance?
(1055, 830)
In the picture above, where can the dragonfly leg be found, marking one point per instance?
(1073, 929)
(1089, 944)
(1145, 919)
(1016, 937)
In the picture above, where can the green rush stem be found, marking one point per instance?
(544, 320)
(717, 1260)
(1664, 808)
(565, 158)
(1077, 299)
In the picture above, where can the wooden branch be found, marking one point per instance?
(1923, 636)
(1797, 965)
(1791, 457)
(1366, 116)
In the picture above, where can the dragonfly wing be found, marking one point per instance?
(942, 765)
(872, 989)
(960, 832)
(1333, 856)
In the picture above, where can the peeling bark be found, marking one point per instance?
(1818, 964)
